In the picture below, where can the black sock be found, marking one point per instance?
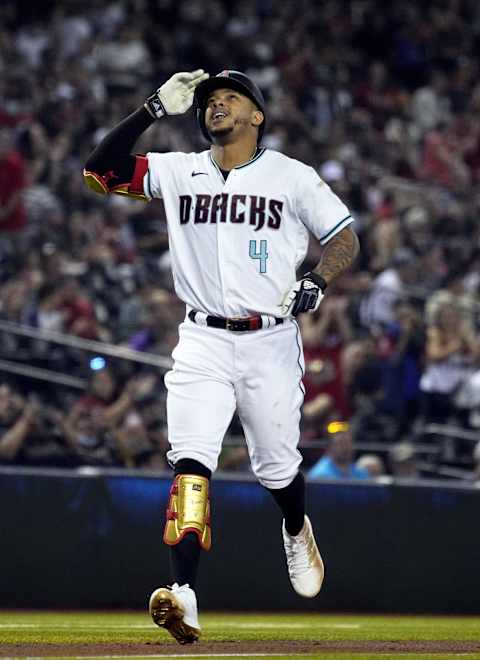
(291, 500)
(191, 466)
(185, 556)
(184, 560)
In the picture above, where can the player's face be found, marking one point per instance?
(230, 113)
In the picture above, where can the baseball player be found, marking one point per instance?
(239, 218)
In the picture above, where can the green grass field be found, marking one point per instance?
(73, 628)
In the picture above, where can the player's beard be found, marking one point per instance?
(220, 133)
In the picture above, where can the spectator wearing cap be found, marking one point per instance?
(337, 463)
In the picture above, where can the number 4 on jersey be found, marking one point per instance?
(262, 255)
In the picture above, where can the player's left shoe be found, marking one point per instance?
(175, 609)
(305, 565)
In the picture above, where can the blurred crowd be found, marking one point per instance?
(383, 100)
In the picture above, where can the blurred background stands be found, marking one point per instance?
(383, 101)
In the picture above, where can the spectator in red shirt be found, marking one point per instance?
(324, 337)
(13, 216)
(67, 307)
(442, 159)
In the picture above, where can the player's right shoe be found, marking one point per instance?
(305, 565)
(175, 609)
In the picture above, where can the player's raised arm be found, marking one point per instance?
(111, 167)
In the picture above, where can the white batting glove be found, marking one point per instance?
(304, 296)
(176, 95)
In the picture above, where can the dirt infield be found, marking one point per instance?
(213, 648)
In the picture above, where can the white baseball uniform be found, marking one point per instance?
(235, 247)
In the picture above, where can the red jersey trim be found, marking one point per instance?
(105, 184)
(141, 167)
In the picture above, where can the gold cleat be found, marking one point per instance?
(167, 611)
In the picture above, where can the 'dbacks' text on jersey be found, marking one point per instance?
(236, 243)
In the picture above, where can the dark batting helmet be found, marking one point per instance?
(232, 80)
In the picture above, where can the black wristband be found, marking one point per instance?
(154, 105)
(317, 279)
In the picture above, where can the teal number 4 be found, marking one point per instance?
(262, 255)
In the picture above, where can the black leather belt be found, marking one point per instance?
(235, 324)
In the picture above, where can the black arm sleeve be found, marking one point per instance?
(114, 151)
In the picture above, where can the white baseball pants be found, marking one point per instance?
(258, 373)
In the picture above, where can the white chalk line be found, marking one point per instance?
(341, 626)
(151, 626)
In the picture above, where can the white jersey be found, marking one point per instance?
(235, 245)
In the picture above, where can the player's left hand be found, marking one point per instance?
(304, 296)
(175, 96)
